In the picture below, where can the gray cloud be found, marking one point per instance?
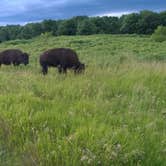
(21, 11)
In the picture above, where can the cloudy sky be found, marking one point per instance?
(23, 11)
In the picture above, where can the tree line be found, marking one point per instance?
(144, 22)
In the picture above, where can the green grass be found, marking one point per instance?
(114, 114)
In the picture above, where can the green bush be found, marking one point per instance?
(160, 34)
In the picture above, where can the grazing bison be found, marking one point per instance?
(13, 56)
(62, 58)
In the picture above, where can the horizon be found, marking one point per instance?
(113, 14)
(23, 11)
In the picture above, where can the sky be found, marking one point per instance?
(24, 11)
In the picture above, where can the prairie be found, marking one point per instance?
(113, 114)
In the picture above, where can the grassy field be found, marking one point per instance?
(114, 114)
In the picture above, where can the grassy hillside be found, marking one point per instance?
(114, 114)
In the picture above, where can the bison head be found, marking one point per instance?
(25, 59)
(80, 68)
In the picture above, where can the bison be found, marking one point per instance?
(62, 58)
(13, 56)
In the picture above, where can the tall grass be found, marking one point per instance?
(114, 114)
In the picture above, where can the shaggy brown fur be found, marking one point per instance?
(13, 56)
(62, 58)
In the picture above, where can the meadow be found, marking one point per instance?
(113, 114)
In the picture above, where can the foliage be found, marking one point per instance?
(3, 34)
(86, 28)
(160, 34)
(163, 18)
(148, 22)
(107, 25)
(130, 23)
(68, 27)
(144, 22)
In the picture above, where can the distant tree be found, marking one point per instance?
(129, 23)
(13, 31)
(26, 32)
(86, 27)
(49, 26)
(162, 16)
(107, 25)
(36, 29)
(98, 22)
(148, 22)
(111, 25)
(80, 18)
(67, 27)
(4, 36)
(144, 22)
(160, 34)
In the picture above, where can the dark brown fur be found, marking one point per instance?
(13, 56)
(62, 58)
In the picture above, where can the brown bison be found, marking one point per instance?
(62, 58)
(13, 56)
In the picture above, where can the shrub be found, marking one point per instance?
(160, 34)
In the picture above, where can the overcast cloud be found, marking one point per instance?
(23, 11)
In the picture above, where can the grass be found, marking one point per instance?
(114, 114)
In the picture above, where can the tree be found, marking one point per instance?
(36, 29)
(144, 22)
(106, 25)
(13, 31)
(86, 27)
(26, 32)
(4, 36)
(129, 23)
(162, 16)
(49, 26)
(67, 27)
(148, 22)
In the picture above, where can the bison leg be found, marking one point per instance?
(75, 71)
(60, 69)
(44, 69)
(64, 70)
(16, 63)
